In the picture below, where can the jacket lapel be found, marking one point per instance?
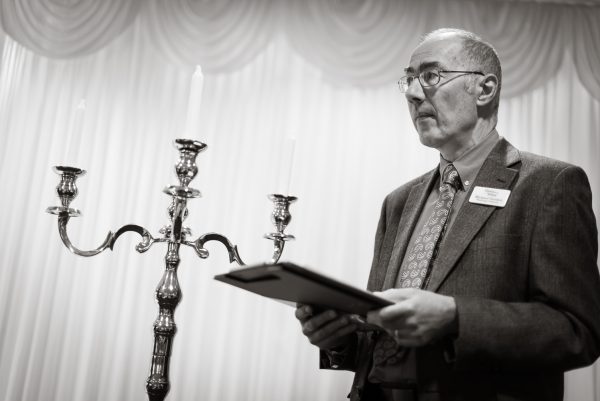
(494, 173)
(410, 215)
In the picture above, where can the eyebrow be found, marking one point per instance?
(424, 66)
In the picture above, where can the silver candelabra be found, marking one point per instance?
(168, 292)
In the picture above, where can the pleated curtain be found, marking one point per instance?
(297, 96)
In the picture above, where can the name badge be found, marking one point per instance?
(489, 196)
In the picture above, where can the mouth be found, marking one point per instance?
(423, 115)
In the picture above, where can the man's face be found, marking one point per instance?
(445, 114)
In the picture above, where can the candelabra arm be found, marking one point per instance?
(198, 245)
(111, 238)
(147, 238)
(63, 219)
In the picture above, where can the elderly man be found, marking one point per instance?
(490, 258)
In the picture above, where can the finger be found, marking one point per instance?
(391, 317)
(397, 294)
(397, 312)
(330, 329)
(341, 338)
(317, 321)
(303, 312)
(332, 332)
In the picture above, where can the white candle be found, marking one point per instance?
(194, 100)
(75, 133)
(78, 120)
(291, 145)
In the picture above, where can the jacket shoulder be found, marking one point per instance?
(400, 194)
(544, 169)
(533, 161)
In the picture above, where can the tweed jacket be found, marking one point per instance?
(524, 277)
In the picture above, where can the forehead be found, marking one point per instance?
(443, 52)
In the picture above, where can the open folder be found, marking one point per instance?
(295, 284)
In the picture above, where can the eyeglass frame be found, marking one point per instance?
(404, 87)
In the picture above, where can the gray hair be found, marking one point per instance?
(479, 52)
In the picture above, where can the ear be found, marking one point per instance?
(487, 90)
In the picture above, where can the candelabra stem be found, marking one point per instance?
(168, 295)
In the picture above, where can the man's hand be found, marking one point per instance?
(417, 318)
(327, 329)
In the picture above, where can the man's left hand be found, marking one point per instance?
(417, 317)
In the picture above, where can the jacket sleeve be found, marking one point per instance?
(558, 328)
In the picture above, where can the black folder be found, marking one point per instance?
(289, 282)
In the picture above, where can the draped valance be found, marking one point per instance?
(354, 42)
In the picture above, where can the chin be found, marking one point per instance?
(429, 139)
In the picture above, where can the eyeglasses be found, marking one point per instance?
(428, 78)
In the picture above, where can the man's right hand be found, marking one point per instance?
(327, 329)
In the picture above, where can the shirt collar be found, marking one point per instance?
(469, 163)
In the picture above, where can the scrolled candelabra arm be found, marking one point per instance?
(147, 238)
(111, 238)
(63, 219)
(232, 250)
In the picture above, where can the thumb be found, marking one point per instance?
(397, 294)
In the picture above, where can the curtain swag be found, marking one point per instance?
(362, 43)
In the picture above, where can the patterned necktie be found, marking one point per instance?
(415, 269)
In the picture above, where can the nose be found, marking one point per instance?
(414, 94)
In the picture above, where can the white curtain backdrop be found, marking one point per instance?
(360, 42)
(74, 328)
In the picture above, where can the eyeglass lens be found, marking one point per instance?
(426, 78)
